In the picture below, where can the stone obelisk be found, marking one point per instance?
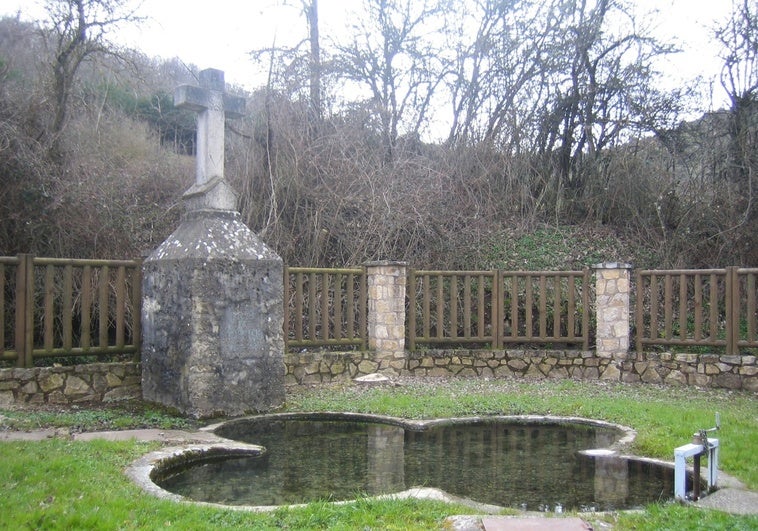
(212, 302)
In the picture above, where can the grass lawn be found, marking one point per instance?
(63, 484)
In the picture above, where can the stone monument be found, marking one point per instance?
(212, 301)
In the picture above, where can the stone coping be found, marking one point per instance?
(144, 470)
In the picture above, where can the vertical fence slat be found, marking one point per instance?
(698, 306)
(514, 305)
(350, 306)
(683, 307)
(480, 326)
(86, 324)
(498, 311)
(337, 303)
(653, 306)
(102, 306)
(467, 306)
(440, 306)
(426, 306)
(557, 306)
(751, 308)
(49, 308)
(667, 305)
(571, 306)
(713, 317)
(733, 311)
(543, 305)
(120, 305)
(24, 333)
(298, 319)
(2, 308)
(529, 309)
(325, 306)
(638, 314)
(454, 305)
(312, 307)
(68, 296)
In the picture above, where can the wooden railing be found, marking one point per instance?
(498, 307)
(697, 308)
(325, 307)
(53, 307)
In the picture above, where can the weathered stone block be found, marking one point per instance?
(728, 381)
(518, 365)
(367, 366)
(9, 384)
(125, 392)
(6, 398)
(212, 319)
(50, 382)
(611, 372)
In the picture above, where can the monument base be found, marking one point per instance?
(212, 319)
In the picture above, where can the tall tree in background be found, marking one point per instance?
(78, 30)
(391, 57)
(739, 78)
(315, 110)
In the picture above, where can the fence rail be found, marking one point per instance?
(325, 307)
(57, 307)
(697, 308)
(498, 307)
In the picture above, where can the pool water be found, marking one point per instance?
(513, 464)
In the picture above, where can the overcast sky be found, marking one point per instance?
(219, 33)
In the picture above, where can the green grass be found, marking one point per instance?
(59, 484)
(63, 484)
(118, 416)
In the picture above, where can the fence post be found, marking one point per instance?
(732, 310)
(386, 313)
(612, 314)
(25, 310)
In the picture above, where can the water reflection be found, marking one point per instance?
(533, 467)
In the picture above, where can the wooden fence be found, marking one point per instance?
(325, 307)
(697, 308)
(52, 307)
(498, 307)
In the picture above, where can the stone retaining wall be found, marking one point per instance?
(108, 382)
(703, 370)
(71, 384)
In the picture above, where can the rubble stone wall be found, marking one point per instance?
(703, 370)
(71, 384)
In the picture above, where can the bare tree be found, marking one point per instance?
(392, 58)
(78, 29)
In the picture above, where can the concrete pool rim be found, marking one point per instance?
(147, 468)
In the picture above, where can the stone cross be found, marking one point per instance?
(213, 107)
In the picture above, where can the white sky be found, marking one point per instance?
(219, 33)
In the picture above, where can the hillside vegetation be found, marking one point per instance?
(562, 151)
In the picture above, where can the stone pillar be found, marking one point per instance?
(212, 297)
(386, 314)
(612, 282)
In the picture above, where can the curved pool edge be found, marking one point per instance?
(627, 434)
(143, 470)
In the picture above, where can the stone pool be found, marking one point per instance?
(525, 462)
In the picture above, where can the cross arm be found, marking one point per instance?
(197, 99)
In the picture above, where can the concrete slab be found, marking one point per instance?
(502, 523)
(166, 436)
(734, 501)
